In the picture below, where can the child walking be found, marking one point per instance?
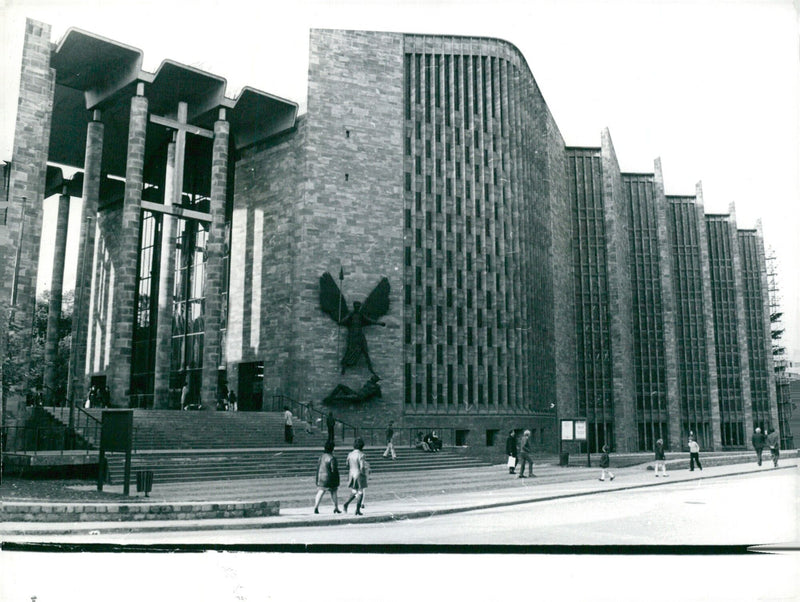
(605, 462)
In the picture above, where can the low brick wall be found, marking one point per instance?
(102, 512)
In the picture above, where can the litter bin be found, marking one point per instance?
(563, 459)
(144, 482)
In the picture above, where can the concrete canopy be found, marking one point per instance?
(93, 72)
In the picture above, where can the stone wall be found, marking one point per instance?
(267, 193)
(351, 215)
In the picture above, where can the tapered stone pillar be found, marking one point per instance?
(741, 328)
(76, 383)
(166, 282)
(668, 311)
(56, 291)
(212, 347)
(708, 319)
(126, 256)
(615, 218)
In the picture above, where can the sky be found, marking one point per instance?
(712, 87)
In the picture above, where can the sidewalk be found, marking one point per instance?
(386, 499)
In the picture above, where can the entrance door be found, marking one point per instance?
(251, 386)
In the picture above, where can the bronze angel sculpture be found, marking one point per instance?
(375, 306)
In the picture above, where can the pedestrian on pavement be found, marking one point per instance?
(389, 443)
(759, 441)
(511, 451)
(357, 474)
(330, 422)
(525, 455)
(327, 478)
(661, 460)
(694, 454)
(774, 443)
(605, 463)
(288, 430)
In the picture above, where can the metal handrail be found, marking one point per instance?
(37, 438)
(308, 413)
(88, 415)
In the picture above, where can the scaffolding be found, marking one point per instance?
(782, 379)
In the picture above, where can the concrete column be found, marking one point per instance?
(126, 255)
(166, 282)
(212, 348)
(708, 319)
(668, 310)
(741, 329)
(76, 383)
(56, 291)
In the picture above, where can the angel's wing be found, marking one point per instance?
(331, 299)
(377, 304)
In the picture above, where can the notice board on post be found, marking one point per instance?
(116, 433)
(573, 429)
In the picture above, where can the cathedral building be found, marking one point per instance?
(520, 280)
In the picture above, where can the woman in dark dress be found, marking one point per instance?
(327, 478)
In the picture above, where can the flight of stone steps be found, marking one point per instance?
(173, 429)
(175, 467)
(186, 446)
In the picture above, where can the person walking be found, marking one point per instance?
(327, 478)
(759, 441)
(330, 422)
(694, 454)
(605, 463)
(288, 429)
(357, 474)
(511, 451)
(774, 443)
(184, 395)
(525, 455)
(308, 413)
(661, 460)
(389, 443)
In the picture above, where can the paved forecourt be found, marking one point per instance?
(388, 497)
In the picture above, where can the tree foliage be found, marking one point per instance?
(23, 365)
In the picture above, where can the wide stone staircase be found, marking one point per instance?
(177, 467)
(185, 446)
(173, 429)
